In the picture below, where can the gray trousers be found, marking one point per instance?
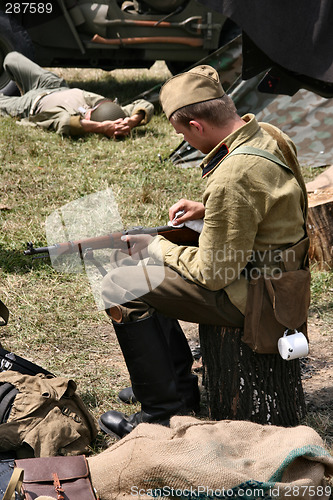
(31, 79)
(172, 296)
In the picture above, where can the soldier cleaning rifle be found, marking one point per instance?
(254, 203)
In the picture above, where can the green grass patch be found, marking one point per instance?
(54, 320)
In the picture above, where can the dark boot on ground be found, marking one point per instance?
(152, 375)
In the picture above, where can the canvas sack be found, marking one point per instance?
(199, 459)
(47, 417)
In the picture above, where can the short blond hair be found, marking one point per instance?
(215, 111)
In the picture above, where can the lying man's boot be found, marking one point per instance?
(152, 375)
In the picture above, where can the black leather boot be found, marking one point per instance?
(152, 374)
(181, 355)
(182, 358)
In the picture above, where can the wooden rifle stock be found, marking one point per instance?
(178, 235)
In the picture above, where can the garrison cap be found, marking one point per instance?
(106, 110)
(201, 83)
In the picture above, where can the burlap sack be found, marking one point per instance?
(226, 459)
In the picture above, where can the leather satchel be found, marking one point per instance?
(57, 477)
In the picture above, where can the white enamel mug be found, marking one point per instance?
(293, 346)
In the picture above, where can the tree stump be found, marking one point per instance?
(320, 224)
(244, 385)
(320, 219)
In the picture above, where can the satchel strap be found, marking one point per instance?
(14, 484)
(250, 150)
(294, 169)
(57, 486)
(293, 164)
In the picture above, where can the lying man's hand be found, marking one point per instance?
(110, 128)
(134, 120)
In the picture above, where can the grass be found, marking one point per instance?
(54, 320)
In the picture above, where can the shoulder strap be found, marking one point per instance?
(290, 158)
(293, 168)
(249, 150)
(15, 484)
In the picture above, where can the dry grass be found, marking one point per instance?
(54, 320)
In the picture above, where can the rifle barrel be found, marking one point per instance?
(179, 235)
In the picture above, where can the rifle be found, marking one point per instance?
(178, 235)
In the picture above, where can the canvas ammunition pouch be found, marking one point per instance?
(277, 302)
(43, 416)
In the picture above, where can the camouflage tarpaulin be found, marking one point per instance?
(306, 117)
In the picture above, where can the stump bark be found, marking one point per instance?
(244, 385)
(320, 229)
(320, 220)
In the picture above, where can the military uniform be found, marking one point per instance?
(47, 417)
(251, 205)
(255, 205)
(48, 102)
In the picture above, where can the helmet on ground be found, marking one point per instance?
(106, 110)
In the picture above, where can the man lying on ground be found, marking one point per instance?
(47, 101)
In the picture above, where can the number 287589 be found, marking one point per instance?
(28, 8)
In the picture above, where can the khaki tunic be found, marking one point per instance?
(251, 204)
(47, 415)
(59, 111)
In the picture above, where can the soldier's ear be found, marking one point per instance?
(197, 125)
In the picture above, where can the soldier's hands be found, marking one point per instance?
(137, 244)
(134, 120)
(193, 210)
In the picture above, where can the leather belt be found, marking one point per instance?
(36, 101)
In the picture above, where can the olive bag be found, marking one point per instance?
(275, 305)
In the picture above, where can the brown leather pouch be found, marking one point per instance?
(277, 303)
(274, 305)
(62, 478)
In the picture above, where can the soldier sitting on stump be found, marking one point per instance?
(251, 204)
